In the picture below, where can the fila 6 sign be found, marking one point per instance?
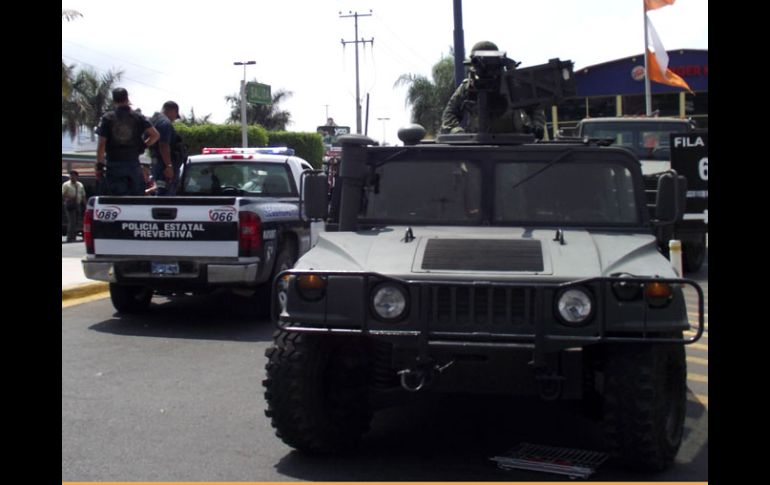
(690, 157)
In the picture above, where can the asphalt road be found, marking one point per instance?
(176, 395)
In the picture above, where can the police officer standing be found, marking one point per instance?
(167, 153)
(461, 112)
(124, 134)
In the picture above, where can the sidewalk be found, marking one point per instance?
(74, 283)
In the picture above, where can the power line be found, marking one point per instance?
(356, 42)
(103, 71)
(405, 44)
(113, 57)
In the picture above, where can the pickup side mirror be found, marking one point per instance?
(670, 199)
(315, 194)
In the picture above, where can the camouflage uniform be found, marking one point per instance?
(463, 104)
(502, 120)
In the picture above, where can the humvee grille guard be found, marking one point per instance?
(496, 314)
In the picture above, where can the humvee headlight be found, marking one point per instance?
(389, 302)
(311, 286)
(574, 306)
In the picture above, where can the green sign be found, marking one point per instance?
(258, 93)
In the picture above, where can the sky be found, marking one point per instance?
(183, 50)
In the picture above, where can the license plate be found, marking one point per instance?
(164, 268)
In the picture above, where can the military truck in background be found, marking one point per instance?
(661, 144)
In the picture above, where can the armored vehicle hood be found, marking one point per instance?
(488, 252)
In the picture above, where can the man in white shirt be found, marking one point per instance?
(73, 195)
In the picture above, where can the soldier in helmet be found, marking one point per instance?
(461, 112)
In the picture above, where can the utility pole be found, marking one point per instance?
(383, 128)
(356, 42)
(459, 39)
(244, 135)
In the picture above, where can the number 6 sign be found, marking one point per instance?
(703, 168)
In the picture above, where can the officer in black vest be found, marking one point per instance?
(124, 134)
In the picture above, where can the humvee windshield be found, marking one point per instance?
(501, 193)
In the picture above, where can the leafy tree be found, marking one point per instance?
(429, 97)
(89, 100)
(267, 115)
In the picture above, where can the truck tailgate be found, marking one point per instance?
(166, 226)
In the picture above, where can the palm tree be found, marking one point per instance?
(66, 80)
(267, 115)
(69, 14)
(89, 100)
(429, 97)
(66, 71)
(192, 120)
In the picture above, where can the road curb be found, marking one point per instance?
(83, 290)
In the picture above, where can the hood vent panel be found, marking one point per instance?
(483, 255)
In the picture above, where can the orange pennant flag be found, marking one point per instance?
(669, 77)
(657, 62)
(653, 4)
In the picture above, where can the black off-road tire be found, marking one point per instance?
(645, 388)
(317, 391)
(130, 298)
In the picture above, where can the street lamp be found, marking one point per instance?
(383, 128)
(244, 136)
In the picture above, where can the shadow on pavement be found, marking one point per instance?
(450, 438)
(217, 316)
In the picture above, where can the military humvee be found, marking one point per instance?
(485, 263)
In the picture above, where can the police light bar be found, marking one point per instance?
(250, 150)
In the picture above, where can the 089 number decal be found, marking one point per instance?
(108, 213)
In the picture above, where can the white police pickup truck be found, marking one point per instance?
(235, 222)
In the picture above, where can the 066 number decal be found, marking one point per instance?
(222, 214)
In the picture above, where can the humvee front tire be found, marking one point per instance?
(644, 408)
(317, 392)
(130, 298)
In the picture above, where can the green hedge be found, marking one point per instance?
(308, 146)
(199, 136)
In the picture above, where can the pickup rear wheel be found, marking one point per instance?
(317, 391)
(264, 294)
(130, 298)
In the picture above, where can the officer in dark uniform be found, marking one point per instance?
(461, 112)
(168, 152)
(124, 134)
